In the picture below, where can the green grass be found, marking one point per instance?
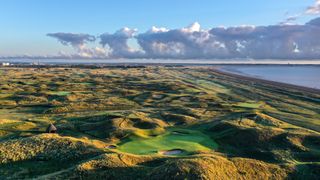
(190, 141)
(248, 105)
(59, 93)
(84, 83)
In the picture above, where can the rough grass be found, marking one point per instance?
(45, 147)
(212, 166)
(118, 166)
(225, 127)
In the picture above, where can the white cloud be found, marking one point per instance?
(296, 48)
(291, 20)
(78, 42)
(262, 42)
(95, 52)
(156, 29)
(118, 43)
(73, 39)
(315, 9)
(311, 10)
(194, 27)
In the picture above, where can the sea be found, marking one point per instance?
(302, 75)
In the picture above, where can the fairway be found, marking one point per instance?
(248, 105)
(187, 140)
(59, 93)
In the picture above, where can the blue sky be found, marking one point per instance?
(25, 23)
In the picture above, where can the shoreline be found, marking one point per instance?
(268, 82)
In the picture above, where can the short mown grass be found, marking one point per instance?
(190, 141)
(250, 105)
(59, 93)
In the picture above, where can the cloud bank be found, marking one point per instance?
(281, 41)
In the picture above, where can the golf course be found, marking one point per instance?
(154, 122)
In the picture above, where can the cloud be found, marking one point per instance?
(315, 9)
(262, 42)
(311, 10)
(78, 42)
(72, 38)
(96, 52)
(290, 20)
(188, 42)
(118, 43)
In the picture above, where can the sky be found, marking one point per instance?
(177, 29)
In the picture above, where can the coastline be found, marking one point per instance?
(268, 82)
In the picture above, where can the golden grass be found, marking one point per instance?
(214, 166)
(94, 108)
(47, 146)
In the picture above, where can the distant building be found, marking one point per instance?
(5, 64)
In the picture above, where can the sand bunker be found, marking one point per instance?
(172, 152)
(180, 133)
(111, 147)
(157, 96)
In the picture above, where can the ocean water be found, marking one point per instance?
(302, 75)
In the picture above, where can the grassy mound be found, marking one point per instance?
(307, 171)
(119, 166)
(178, 119)
(43, 154)
(45, 147)
(138, 123)
(211, 167)
(271, 144)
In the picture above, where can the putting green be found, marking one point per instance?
(84, 83)
(59, 93)
(248, 105)
(187, 140)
